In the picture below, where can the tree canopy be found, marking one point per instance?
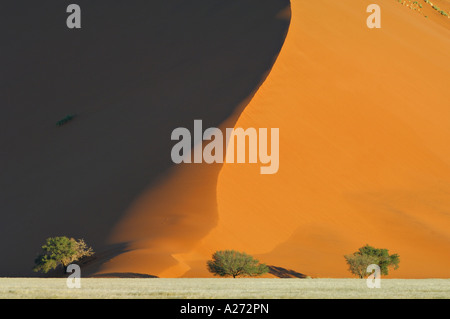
(232, 263)
(367, 255)
(61, 251)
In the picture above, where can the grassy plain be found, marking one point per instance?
(154, 288)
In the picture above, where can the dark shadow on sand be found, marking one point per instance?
(135, 71)
(281, 272)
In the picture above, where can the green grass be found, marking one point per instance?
(223, 288)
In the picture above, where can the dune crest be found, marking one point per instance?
(174, 213)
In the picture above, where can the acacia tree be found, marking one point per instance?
(233, 263)
(61, 251)
(367, 255)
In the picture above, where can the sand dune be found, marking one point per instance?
(134, 72)
(364, 134)
(431, 10)
(365, 129)
(364, 123)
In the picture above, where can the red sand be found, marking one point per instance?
(364, 126)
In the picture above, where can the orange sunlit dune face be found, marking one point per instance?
(364, 123)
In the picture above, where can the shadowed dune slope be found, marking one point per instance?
(364, 124)
(134, 72)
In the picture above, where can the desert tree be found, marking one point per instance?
(231, 263)
(61, 251)
(367, 255)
